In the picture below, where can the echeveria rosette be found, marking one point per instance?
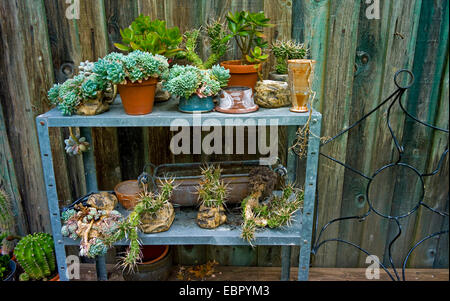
(134, 67)
(184, 81)
(69, 95)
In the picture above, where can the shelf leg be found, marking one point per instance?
(100, 265)
(285, 262)
(52, 196)
(89, 162)
(310, 196)
(291, 164)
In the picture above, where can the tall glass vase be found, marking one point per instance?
(301, 73)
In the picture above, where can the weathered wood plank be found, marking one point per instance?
(342, 35)
(404, 22)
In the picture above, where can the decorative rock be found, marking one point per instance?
(160, 94)
(211, 217)
(272, 94)
(159, 221)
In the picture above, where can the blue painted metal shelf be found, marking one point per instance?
(184, 230)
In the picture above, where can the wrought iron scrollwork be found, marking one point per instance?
(394, 99)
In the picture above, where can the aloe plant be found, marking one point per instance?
(151, 36)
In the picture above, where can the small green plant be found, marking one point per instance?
(149, 203)
(151, 36)
(184, 81)
(4, 262)
(35, 254)
(212, 191)
(137, 66)
(218, 43)
(73, 92)
(287, 50)
(247, 29)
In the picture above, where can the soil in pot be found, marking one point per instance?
(156, 265)
(242, 75)
(138, 98)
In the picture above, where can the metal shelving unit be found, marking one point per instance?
(184, 230)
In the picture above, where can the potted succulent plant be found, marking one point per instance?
(212, 193)
(136, 76)
(35, 254)
(247, 29)
(218, 44)
(85, 94)
(7, 268)
(153, 37)
(284, 51)
(93, 223)
(196, 87)
(153, 213)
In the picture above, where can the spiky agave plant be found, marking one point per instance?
(35, 254)
(129, 229)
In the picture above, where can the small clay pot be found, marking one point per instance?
(128, 192)
(138, 98)
(56, 278)
(157, 269)
(242, 75)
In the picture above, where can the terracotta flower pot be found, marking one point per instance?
(242, 75)
(56, 278)
(138, 98)
(156, 265)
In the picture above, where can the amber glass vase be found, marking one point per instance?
(301, 74)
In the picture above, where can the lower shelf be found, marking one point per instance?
(185, 231)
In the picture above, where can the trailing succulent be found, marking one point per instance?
(69, 95)
(36, 256)
(218, 44)
(287, 50)
(92, 225)
(137, 66)
(149, 203)
(151, 36)
(185, 81)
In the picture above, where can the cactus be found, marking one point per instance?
(7, 227)
(36, 256)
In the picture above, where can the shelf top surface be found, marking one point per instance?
(166, 114)
(185, 231)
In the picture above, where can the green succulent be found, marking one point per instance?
(247, 29)
(136, 66)
(73, 92)
(35, 254)
(212, 191)
(151, 36)
(287, 50)
(184, 81)
(218, 43)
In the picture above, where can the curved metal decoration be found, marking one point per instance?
(393, 99)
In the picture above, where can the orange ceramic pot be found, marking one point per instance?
(242, 75)
(56, 278)
(127, 193)
(138, 98)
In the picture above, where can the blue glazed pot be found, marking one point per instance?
(195, 104)
(12, 268)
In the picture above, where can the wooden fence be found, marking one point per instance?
(357, 58)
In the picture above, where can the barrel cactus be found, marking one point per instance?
(36, 256)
